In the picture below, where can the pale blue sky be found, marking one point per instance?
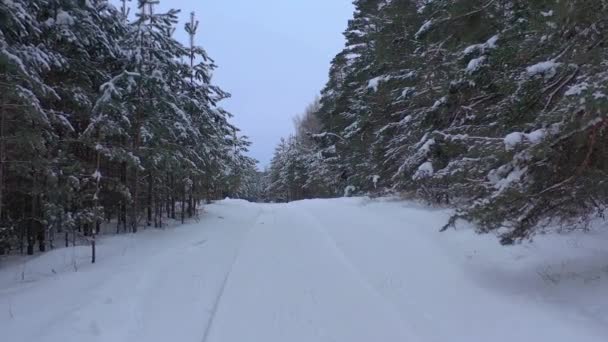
(273, 57)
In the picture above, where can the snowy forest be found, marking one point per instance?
(106, 118)
(446, 179)
(496, 108)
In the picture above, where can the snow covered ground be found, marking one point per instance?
(347, 270)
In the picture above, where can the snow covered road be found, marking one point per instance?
(347, 270)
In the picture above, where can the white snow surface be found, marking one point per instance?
(345, 270)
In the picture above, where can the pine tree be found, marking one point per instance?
(25, 124)
(102, 118)
(495, 108)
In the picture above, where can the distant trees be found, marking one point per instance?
(293, 172)
(498, 108)
(105, 119)
(308, 124)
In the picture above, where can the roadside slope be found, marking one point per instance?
(459, 286)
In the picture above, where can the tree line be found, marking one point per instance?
(496, 108)
(106, 117)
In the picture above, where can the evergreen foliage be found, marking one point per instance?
(498, 108)
(106, 119)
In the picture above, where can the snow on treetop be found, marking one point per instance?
(547, 13)
(502, 181)
(516, 138)
(488, 45)
(375, 82)
(475, 64)
(425, 170)
(406, 92)
(577, 89)
(599, 95)
(439, 102)
(421, 5)
(425, 147)
(351, 57)
(63, 18)
(424, 28)
(547, 68)
(491, 43)
(384, 3)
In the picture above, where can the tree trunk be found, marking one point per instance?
(161, 202)
(167, 197)
(52, 235)
(73, 237)
(93, 250)
(41, 241)
(30, 237)
(31, 230)
(183, 206)
(135, 205)
(150, 186)
(23, 224)
(123, 203)
(2, 157)
(168, 206)
(207, 192)
(118, 215)
(124, 217)
(156, 212)
(41, 228)
(30, 240)
(173, 197)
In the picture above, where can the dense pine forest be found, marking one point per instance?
(106, 120)
(448, 182)
(496, 107)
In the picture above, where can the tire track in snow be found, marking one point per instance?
(350, 265)
(289, 284)
(218, 298)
